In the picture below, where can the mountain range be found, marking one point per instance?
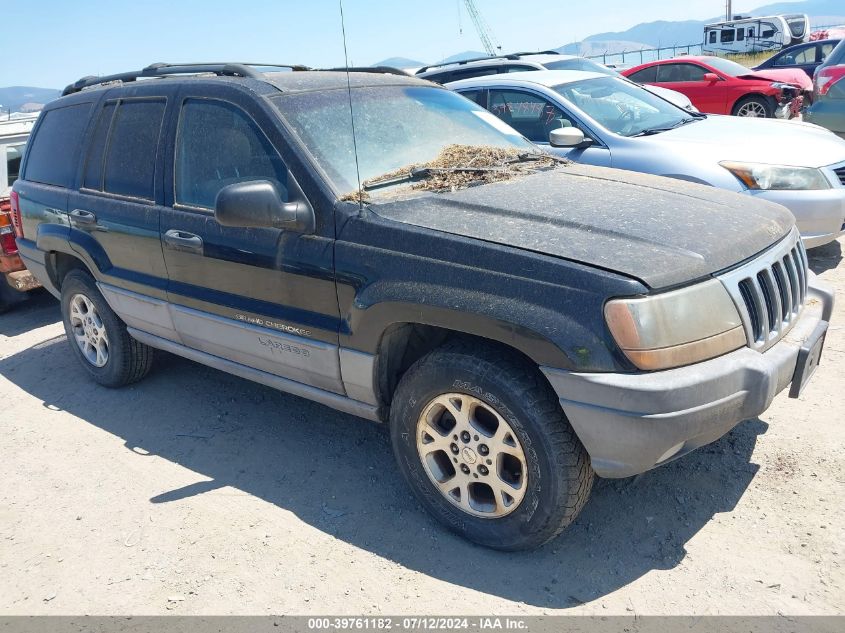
(25, 98)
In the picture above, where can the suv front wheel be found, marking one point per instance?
(484, 444)
(98, 337)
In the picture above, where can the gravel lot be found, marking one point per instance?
(196, 492)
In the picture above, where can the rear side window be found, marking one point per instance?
(93, 177)
(131, 153)
(217, 145)
(122, 155)
(645, 76)
(53, 151)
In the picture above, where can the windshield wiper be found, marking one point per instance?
(421, 173)
(536, 156)
(657, 130)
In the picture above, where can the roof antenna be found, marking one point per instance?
(351, 112)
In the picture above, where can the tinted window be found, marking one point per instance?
(54, 149)
(768, 33)
(670, 73)
(740, 35)
(530, 115)
(712, 37)
(727, 36)
(806, 55)
(645, 76)
(131, 153)
(510, 68)
(93, 177)
(469, 73)
(476, 96)
(218, 144)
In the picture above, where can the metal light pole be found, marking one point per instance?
(729, 11)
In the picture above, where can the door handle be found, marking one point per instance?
(183, 241)
(81, 217)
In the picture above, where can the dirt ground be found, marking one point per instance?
(196, 492)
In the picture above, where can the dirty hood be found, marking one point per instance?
(661, 231)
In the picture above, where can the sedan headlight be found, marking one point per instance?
(777, 177)
(676, 328)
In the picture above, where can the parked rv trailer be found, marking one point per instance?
(745, 34)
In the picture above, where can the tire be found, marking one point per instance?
(754, 106)
(117, 359)
(492, 386)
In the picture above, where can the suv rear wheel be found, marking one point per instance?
(484, 444)
(98, 337)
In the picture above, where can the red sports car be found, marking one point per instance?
(721, 86)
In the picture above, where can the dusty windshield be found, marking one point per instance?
(396, 128)
(622, 107)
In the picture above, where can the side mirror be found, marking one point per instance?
(568, 137)
(257, 203)
(711, 77)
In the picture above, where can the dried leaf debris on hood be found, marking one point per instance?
(465, 166)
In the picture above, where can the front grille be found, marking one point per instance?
(769, 291)
(840, 172)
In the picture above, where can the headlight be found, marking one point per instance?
(676, 328)
(777, 177)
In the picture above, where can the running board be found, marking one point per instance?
(333, 400)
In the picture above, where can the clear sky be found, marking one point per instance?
(50, 43)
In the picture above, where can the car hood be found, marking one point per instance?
(794, 76)
(672, 96)
(661, 231)
(770, 141)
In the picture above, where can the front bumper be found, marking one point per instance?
(630, 423)
(820, 215)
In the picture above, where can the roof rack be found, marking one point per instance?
(239, 69)
(548, 52)
(511, 56)
(467, 61)
(386, 70)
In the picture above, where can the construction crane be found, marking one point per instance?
(488, 40)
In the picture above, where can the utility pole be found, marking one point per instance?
(730, 12)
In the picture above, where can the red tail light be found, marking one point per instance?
(16, 213)
(827, 77)
(7, 232)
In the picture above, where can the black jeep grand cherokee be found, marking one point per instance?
(519, 336)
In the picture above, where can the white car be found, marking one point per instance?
(524, 62)
(602, 120)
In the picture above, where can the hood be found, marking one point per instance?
(794, 76)
(770, 141)
(661, 231)
(672, 96)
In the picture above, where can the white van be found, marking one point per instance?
(753, 35)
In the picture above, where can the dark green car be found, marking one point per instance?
(828, 109)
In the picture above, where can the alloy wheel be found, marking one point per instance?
(472, 455)
(89, 331)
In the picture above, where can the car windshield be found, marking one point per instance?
(622, 107)
(579, 63)
(395, 126)
(728, 67)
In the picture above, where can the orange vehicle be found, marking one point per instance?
(16, 279)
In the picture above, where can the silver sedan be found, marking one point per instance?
(602, 120)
